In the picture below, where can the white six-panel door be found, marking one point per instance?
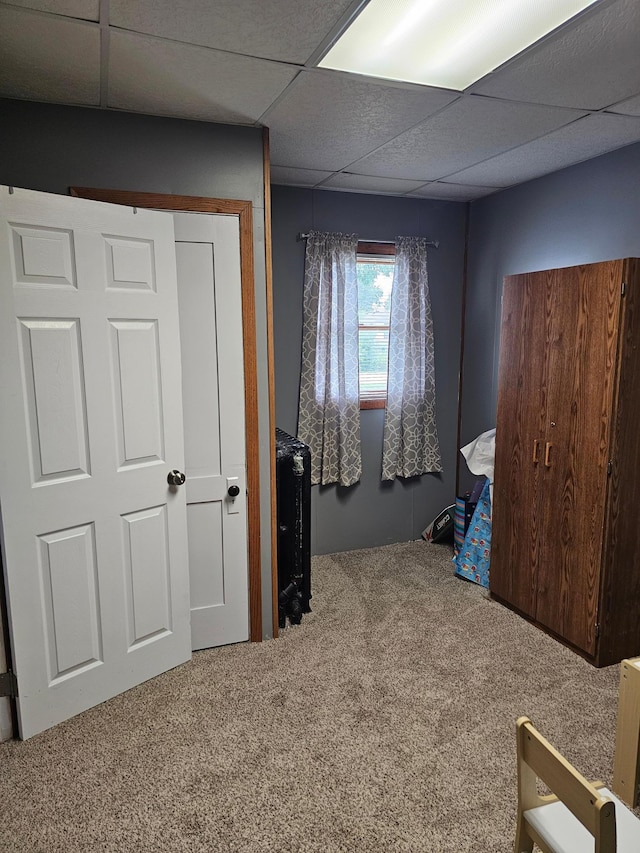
(209, 292)
(94, 538)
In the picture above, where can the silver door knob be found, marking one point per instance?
(175, 477)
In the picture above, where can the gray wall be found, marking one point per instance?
(371, 513)
(50, 148)
(587, 213)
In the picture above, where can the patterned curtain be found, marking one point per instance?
(329, 412)
(410, 438)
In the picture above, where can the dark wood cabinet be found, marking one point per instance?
(566, 534)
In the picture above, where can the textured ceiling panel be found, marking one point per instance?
(86, 10)
(582, 140)
(47, 58)
(173, 79)
(286, 30)
(588, 66)
(452, 192)
(238, 62)
(365, 184)
(297, 177)
(327, 119)
(631, 107)
(470, 130)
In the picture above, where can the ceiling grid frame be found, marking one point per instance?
(243, 63)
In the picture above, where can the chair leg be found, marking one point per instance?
(524, 842)
(626, 763)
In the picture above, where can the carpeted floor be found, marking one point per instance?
(384, 722)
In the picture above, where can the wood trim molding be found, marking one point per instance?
(272, 381)
(367, 247)
(242, 209)
(463, 320)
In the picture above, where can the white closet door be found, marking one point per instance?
(209, 290)
(94, 538)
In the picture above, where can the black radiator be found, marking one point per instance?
(293, 487)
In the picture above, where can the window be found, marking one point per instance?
(376, 262)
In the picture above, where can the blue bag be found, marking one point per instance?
(472, 561)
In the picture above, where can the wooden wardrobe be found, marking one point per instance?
(566, 511)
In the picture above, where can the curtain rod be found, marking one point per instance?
(434, 243)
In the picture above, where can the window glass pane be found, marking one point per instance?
(375, 280)
(374, 348)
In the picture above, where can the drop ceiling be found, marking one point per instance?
(572, 96)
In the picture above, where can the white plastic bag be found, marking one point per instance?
(480, 454)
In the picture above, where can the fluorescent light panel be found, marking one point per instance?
(445, 43)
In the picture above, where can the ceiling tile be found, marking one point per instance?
(173, 79)
(470, 130)
(630, 107)
(48, 58)
(327, 119)
(86, 10)
(383, 137)
(366, 184)
(452, 192)
(297, 177)
(587, 66)
(285, 30)
(589, 137)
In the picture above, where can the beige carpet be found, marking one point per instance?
(384, 722)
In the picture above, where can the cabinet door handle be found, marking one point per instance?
(547, 454)
(535, 451)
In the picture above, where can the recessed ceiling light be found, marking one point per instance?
(445, 43)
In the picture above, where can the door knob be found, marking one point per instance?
(233, 491)
(175, 477)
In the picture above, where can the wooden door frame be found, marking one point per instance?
(266, 164)
(243, 210)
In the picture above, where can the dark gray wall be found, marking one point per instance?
(587, 213)
(50, 148)
(371, 512)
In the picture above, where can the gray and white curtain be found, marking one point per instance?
(329, 411)
(410, 438)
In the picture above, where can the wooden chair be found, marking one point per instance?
(578, 816)
(626, 764)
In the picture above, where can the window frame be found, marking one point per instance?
(387, 251)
